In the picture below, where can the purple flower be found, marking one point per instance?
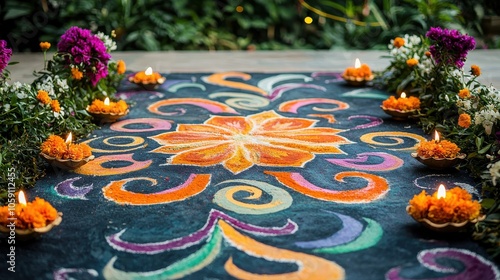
(449, 46)
(87, 49)
(5, 54)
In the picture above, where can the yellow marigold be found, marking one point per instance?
(121, 67)
(43, 97)
(55, 106)
(464, 120)
(399, 42)
(402, 104)
(456, 207)
(438, 149)
(464, 93)
(475, 70)
(44, 46)
(412, 62)
(76, 74)
(428, 53)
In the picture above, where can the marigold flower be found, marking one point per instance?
(121, 67)
(412, 62)
(98, 107)
(464, 120)
(464, 93)
(56, 147)
(438, 149)
(399, 42)
(44, 46)
(55, 106)
(428, 54)
(475, 70)
(76, 74)
(456, 207)
(402, 104)
(35, 214)
(43, 97)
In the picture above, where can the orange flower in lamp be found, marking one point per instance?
(65, 154)
(147, 79)
(438, 154)
(107, 111)
(358, 75)
(445, 210)
(401, 108)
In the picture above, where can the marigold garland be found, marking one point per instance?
(43, 97)
(402, 104)
(36, 214)
(456, 207)
(55, 147)
(438, 149)
(98, 107)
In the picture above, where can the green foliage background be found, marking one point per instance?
(154, 25)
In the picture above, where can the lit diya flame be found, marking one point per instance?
(68, 139)
(441, 193)
(436, 136)
(149, 71)
(403, 95)
(357, 64)
(22, 198)
(106, 101)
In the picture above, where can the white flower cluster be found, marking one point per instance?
(107, 40)
(54, 86)
(495, 172)
(21, 90)
(412, 48)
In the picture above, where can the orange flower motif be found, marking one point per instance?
(412, 62)
(475, 70)
(464, 120)
(44, 46)
(43, 97)
(54, 104)
(438, 149)
(456, 207)
(121, 67)
(76, 74)
(238, 143)
(464, 93)
(399, 42)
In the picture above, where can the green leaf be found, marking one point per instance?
(487, 203)
(16, 12)
(485, 149)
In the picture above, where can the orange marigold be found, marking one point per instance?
(44, 46)
(399, 42)
(43, 97)
(98, 107)
(54, 146)
(54, 104)
(76, 74)
(464, 93)
(438, 149)
(412, 62)
(402, 104)
(44, 208)
(428, 53)
(142, 78)
(456, 207)
(121, 67)
(362, 72)
(475, 70)
(464, 120)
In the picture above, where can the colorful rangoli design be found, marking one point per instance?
(250, 176)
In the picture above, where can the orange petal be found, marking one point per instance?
(238, 162)
(234, 124)
(203, 128)
(279, 124)
(277, 156)
(185, 138)
(205, 156)
(261, 117)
